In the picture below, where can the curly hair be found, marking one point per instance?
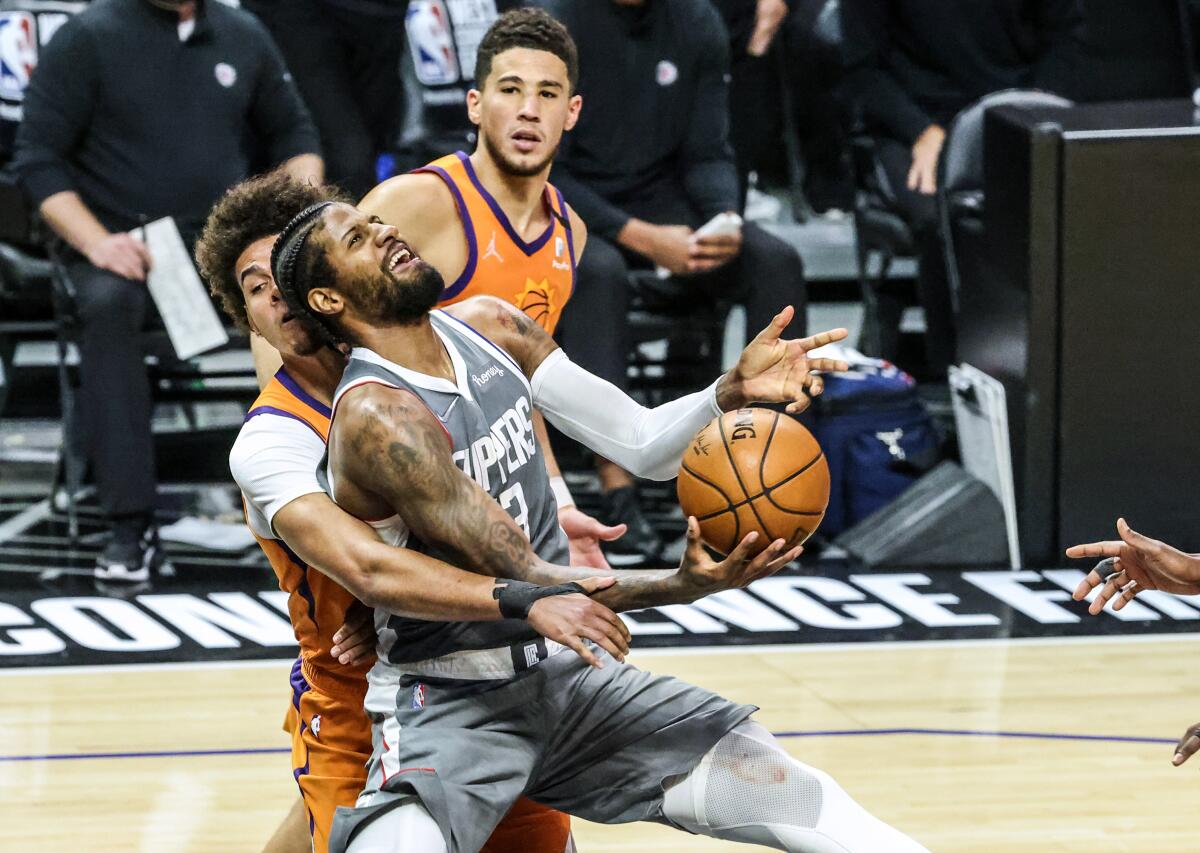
(532, 28)
(256, 208)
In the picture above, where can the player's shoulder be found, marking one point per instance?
(579, 232)
(412, 197)
(268, 442)
(489, 315)
(371, 405)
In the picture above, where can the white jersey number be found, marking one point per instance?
(513, 501)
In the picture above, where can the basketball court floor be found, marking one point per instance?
(977, 710)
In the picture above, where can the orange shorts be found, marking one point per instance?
(331, 742)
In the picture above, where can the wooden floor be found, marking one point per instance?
(953, 790)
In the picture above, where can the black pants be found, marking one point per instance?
(921, 214)
(114, 394)
(767, 275)
(347, 68)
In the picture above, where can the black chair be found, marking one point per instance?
(881, 236)
(960, 185)
(38, 274)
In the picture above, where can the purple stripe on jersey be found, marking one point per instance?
(566, 218)
(468, 231)
(300, 394)
(299, 684)
(271, 410)
(501, 216)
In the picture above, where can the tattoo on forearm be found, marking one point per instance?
(405, 458)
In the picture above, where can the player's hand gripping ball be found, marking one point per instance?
(754, 469)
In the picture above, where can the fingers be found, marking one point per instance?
(1136, 540)
(778, 323)
(1128, 592)
(914, 177)
(577, 645)
(607, 638)
(741, 553)
(758, 566)
(782, 561)
(608, 534)
(1187, 746)
(822, 338)
(354, 644)
(1090, 581)
(828, 365)
(594, 585)
(1095, 549)
(694, 552)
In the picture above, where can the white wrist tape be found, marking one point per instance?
(646, 442)
(562, 495)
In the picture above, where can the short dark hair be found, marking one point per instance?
(533, 28)
(249, 211)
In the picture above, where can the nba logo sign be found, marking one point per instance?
(418, 699)
(18, 53)
(431, 42)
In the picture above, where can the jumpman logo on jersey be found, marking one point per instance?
(491, 250)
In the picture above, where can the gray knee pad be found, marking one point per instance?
(746, 788)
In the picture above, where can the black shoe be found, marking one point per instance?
(640, 544)
(132, 562)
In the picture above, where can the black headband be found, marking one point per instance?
(286, 252)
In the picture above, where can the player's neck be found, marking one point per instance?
(520, 198)
(318, 375)
(413, 345)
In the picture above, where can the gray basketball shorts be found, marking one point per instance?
(595, 743)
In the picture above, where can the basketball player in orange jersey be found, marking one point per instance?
(325, 558)
(490, 222)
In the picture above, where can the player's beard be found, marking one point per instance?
(511, 168)
(386, 299)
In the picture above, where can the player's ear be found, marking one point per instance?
(325, 301)
(573, 107)
(474, 97)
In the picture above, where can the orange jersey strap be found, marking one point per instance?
(317, 604)
(538, 277)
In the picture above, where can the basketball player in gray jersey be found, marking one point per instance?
(475, 716)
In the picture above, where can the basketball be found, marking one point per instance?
(754, 469)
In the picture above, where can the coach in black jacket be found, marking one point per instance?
(648, 162)
(141, 109)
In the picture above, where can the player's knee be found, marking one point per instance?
(408, 827)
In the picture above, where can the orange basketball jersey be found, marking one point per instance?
(537, 277)
(316, 603)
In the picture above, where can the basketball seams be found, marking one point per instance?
(730, 507)
(738, 474)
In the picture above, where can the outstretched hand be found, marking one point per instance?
(1131, 564)
(774, 370)
(745, 564)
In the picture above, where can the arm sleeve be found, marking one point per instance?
(57, 110)
(875, 95)
(281, 120)
(646, 442)
(710, 173)
(274, 461)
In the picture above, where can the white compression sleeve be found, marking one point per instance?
(747, 789)
(646, 442)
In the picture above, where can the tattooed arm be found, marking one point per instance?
(388, 454)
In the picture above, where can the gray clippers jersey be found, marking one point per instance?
(487, 414)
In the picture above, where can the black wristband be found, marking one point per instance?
(517, 597)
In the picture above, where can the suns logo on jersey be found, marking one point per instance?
(538, 300)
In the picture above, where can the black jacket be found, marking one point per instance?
(143, 125)
(655, 87)
(913, 63)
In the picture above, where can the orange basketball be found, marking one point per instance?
(754, 469)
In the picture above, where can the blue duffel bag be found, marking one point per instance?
(877, 436)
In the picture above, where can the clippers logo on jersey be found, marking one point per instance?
(418, 696)
(18, 53)
(538, 301)
(431, 42)
(508, 446)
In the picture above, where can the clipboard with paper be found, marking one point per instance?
(192, 323)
